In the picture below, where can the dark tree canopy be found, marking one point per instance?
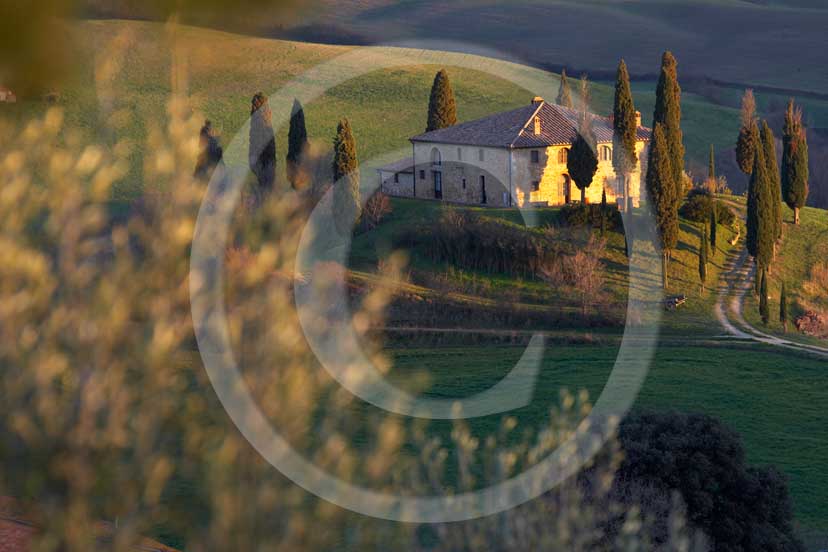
(794, 161)
(442, 110)
(346, 199)
(262, 152)
(739, 507)
(661, 196)
(747, 142)
(769, 151)
(668, 112)
(624, 128)
(297, 143)
(582, 161)
(564, 92)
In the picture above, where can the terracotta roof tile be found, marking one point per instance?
(515, 129)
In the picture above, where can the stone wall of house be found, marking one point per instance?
(543, 182)
(401, 184)
(464, 176)
(547, 180)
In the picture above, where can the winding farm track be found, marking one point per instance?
(736, 282)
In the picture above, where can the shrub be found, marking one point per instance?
(579, 214)
(698, 205)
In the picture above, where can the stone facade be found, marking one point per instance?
(529, 175)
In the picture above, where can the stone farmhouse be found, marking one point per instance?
(517, 157)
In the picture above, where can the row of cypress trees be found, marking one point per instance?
(769, 186)
(262, 158)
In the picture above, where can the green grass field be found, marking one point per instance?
(773, 399)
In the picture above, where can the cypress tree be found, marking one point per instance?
(761, 224)
(714, 223)
(262, 149)
(603, 211)
(746, 143)
(210, 152)
(668, 113)
(564, 93)
(794, 161)
(769, 151)
(661, 191)
(346, 200)
(586, 94)
(764, 311)
(702, 257)
(624, 157)
(442, 110)
(783, 308)
(297, 144)
(711, 166)
(582, 161)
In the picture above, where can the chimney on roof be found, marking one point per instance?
(537, 100)
(537, 126)
(637, 119)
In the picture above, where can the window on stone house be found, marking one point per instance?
(459, 154)
(535, 156)
(535, 185)
(422, 175)
(563, 154)
(480, 155)
(464, 183)
(396, 178)
(606, 153)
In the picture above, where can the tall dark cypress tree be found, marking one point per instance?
(582, 161)
(764, 310)
(794, 161)
(442, 109)
(661, 192)
(297, 144)
(603, 211)
(346, 201)
(262, 152)
(783, 308)
(714, 223)
(711, 166)
(761, 224)
(746, 143)
(624, 157)
(702, 257)
(668, 113)
(769, 151)
(564, 93)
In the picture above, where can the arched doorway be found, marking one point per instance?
(566, 186)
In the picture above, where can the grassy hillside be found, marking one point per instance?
(126, 71)
(803, 247)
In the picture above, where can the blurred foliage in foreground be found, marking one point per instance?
(106, 412)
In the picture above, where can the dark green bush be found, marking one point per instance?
(578, 214)
(698, 204)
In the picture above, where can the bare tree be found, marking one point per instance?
(586, 271)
